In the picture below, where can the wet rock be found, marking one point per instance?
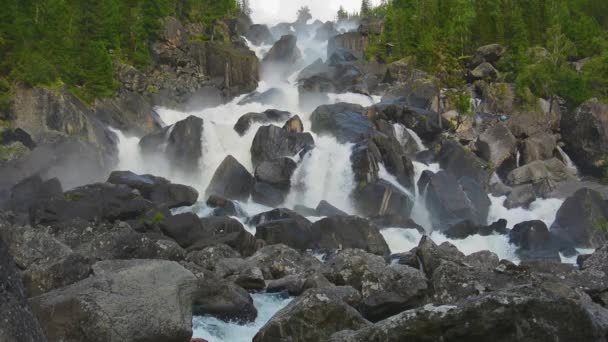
(325, 208)
(454, 159)
(419, 91)
(582, 219)
(269, 97)
(268, 194)
(259, 34)
(268, 116)
(294, 232)
(276, 172)
(347, 122)
(395, 158)
(273, 215)
(340, 232)
(224, 206)
(223, 300)
(323, 309)
(451, 201)
(488, 53)
(283, 55)
(381, 198)
(464, 229)
(17, 322)
(209, 257)
(585, 132)
(534, 241)
(427, 124)
(294, 125)
(271, 142)
(504, 315)
(184, 145)
(364, 159)
(424, 180)
(95, 202)
(496, 145)
(520, 196)
(161, 290)
(231, 180)
(385, 289)
(295, 285)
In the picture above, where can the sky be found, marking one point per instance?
(275, 11)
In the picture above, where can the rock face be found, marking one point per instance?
(271, 142)
(268, 116)
(231, 180)
(353, 41)
(585, 132)
(538, 147)
(345, 121)
(17, 322)
(131, 296)
(326, 310)
(180, 143)
(582, 219)
(461, 163)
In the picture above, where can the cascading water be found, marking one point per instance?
(569, 163)
(324, 174)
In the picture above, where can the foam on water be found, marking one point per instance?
(215, 330)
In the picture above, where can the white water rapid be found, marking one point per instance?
(323, 174)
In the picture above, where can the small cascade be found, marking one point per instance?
(569, 163)
(518, 159)
(404, 135)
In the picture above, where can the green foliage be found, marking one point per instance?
(75, 41)
(158, 217)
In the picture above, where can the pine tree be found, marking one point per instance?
(365, 8)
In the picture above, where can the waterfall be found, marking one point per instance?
(569, 163)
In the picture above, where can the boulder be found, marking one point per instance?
(131, 296)
(278, 261)
(158, 190)
(490, 53)
(520, 196)
(294, 125)
(268, 97)
(268, 116)
(582, 219)
(449, 202)
(538, 147)
(365, 159)
(464, 229)
(496, 145)
(380, 198)
(324, 309)
(385, 289)
(268, 194)
(341, 232)
(259, 34)
(224, 300)
(585, 132)
(181, 143)
(209, 257)
(534, 240)
(95, 202)
(32, 190)
(347, 122)
(283, 55)
(231, 180)
(325, 208)
(276, 172)
(454, 159)
(417, 90)
(293, 232)
(504, 315)
(543, 175)
(224, 206)
(394, 158)
(271, 142)
(484, 71)
(17, 322)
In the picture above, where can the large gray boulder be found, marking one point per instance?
(314, 316)
(379, 198)
(271, 142)
(268, 116)
(540, 146)
(543, 175)
(131, 296)
(231, 180)
(17, 322)
(339, 232)
(585, 132)
(385, 289)
(496, 145)
(583, 219)
(345, 121)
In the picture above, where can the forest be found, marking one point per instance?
(73, 42)
(544, 39)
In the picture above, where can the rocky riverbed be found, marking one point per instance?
(285, 189)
